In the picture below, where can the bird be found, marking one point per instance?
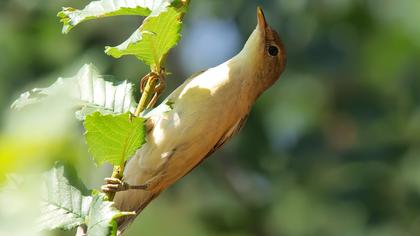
(197, 119)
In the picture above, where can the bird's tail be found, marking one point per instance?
(132, 200)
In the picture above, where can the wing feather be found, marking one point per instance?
(228, 135)
(224, 139)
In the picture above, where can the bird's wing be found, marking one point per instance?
(226, 137)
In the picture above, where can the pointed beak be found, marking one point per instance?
(262, 23)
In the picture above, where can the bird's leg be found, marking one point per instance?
(117, 185)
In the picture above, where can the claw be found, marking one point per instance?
(143, 83)
(159, 88)
(113, 185)
(113, 181)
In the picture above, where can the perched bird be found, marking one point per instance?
(197, 119)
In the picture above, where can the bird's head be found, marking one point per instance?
(265, 51)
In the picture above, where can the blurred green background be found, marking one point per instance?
(332, 149)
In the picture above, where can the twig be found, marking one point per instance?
(149, 91)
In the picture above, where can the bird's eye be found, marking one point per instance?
(273, 50)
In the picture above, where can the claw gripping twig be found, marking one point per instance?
(151, 86)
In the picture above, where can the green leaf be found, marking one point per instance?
(102, 216)
(87, 91)
(71, 17)
(114, 138)
(155, 37)
(64, 206)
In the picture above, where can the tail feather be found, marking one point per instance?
(132, 200)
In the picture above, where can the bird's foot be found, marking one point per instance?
(157, 90)
(160, 87)
(113, 185)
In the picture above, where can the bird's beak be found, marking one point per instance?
(262, 23)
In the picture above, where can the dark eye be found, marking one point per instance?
(273, 51)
